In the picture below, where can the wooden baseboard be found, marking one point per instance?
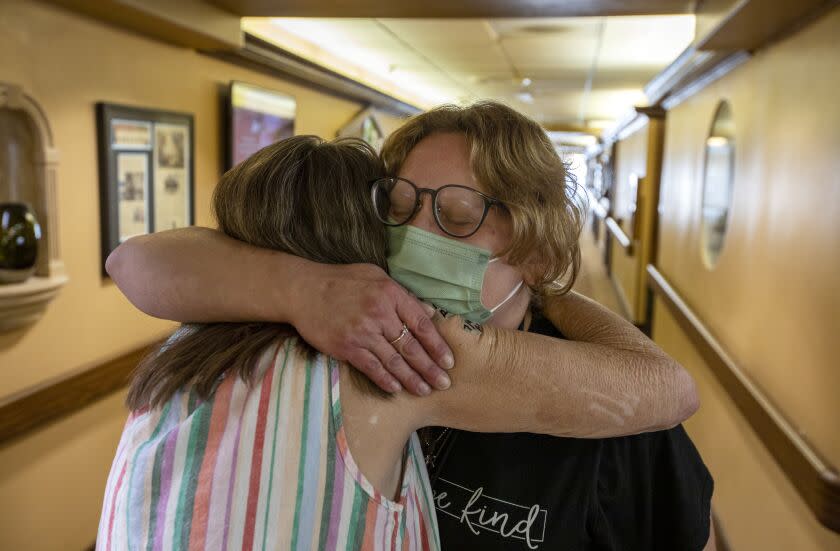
(53, 399)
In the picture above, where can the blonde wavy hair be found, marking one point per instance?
(515, 162)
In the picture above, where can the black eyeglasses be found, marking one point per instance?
(458, 210)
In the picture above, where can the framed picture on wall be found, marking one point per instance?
(257, 117)
(364, 125)
(146, 179)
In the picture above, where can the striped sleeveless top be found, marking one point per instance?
(258, 466)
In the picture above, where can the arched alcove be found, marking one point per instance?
(28, 162)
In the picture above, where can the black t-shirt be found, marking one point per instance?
(528, 491)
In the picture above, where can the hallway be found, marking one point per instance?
(593, 280)
(705, 134)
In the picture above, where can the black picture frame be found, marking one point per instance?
(146, 169)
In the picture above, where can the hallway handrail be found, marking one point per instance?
(622, 238)
(816, 480)
(595, 204)
(33, 407)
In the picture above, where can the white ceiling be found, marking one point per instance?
(584, 71)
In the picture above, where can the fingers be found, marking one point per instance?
(412, 312)
(370, 365)
(394, 363)
(411, 349)
(377, 316)
(416, 357)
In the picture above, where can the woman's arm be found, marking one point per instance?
(201, 275)
(617, 384)
(584, 320)
(346, 311)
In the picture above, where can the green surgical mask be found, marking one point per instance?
(443, 271)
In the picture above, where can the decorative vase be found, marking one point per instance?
(19, 237)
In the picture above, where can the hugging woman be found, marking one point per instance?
(482, 185)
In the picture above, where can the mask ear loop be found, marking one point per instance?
(507, 298)
(510, 295)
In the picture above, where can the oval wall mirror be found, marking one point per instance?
(718, 175)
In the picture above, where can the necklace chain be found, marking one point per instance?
(435, 447)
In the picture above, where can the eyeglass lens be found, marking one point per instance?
(458, 210)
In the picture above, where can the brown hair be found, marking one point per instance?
(302, 196)
(513, 158)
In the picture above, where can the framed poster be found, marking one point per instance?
(173, 197)
(257, 117)
(146, 179)
(132, 191)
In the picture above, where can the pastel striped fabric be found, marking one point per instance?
(259, 466)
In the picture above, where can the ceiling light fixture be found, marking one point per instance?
(525, 97)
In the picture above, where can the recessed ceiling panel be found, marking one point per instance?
(649, 42)
(557, 70)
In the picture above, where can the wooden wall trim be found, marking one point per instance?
(749, 26)
(598, 210)
(259, 55)
(754, 24)
(692, 86)
(595, 204)
(616, 231)
(480, 9)
(186, 24)
(55, 398)
(817, 481)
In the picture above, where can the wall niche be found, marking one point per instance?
(28, 163)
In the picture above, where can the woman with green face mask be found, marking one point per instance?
(445, 272)
(482, 223)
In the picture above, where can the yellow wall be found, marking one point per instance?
(630, 158)
(774, 296)
(757, 506)
(51, 482)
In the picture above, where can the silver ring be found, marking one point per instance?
(403, 333)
